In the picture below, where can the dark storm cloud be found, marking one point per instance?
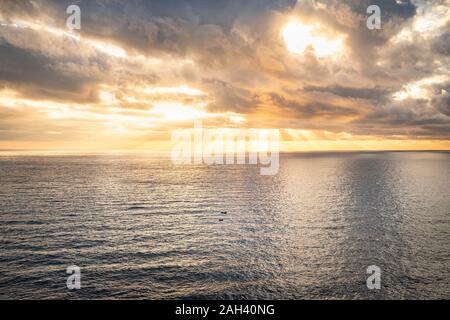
(174, 26)
(36, 76)
(312, 109)
(229, 98)
(406, 118)
(350, 92)
(390, 8)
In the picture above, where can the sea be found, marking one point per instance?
(141, 227)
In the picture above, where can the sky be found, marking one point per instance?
(137, 70)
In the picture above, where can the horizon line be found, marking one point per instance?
(131, 151)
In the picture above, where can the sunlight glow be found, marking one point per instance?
(177, 112)
(298, 37)
(185, 90)
(107, 97)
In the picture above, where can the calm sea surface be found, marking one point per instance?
(140, 227)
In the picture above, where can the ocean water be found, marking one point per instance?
(140, 227)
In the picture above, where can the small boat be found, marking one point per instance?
(220, 220)
(223, 212)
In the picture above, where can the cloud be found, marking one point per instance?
(442, 102)
(351, 92)
(441, 44)
(233, 52)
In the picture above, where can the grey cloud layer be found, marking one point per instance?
(240, 61)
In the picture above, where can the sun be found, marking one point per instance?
(298, 37)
